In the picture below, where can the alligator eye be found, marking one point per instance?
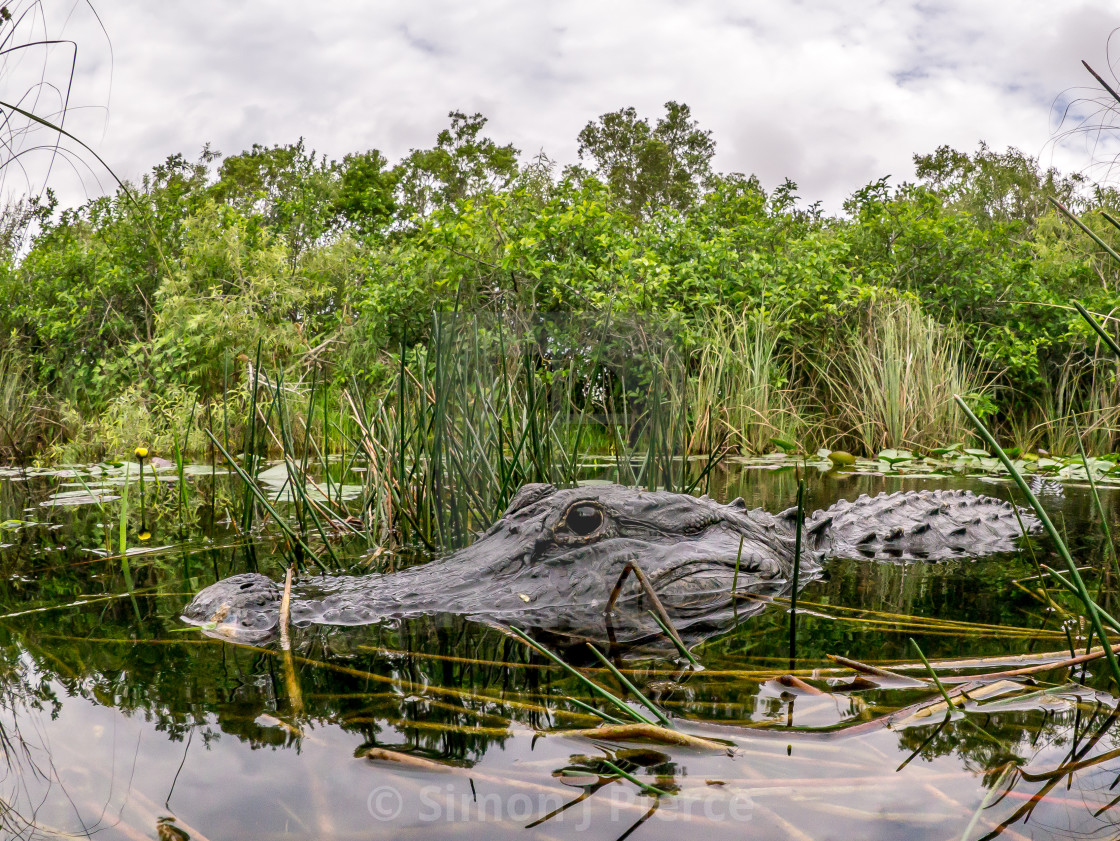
(584, 520)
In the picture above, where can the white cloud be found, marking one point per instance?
(830, 95)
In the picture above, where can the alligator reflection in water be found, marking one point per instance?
(133, 722)
(487, 730)
(554, 557)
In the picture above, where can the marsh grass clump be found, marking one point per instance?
(742, 387)
(29, 421)
(491, 404)
(1082, 404)
(892, 383)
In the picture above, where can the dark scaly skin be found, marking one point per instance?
(551, 561)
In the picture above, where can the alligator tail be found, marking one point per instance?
(922, 525)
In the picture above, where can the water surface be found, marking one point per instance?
(120, 721)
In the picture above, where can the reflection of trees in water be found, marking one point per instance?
(984, 742)
(1028, 753)
(28, 767)
(438, 688)
(211, 687)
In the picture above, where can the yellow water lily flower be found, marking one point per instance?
(141, 452)
(145, 535)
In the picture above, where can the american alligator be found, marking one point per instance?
(551, 562)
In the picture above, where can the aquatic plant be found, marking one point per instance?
(892, 385)
(742, 384)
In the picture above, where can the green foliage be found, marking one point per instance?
(650, 168)
(333, 266)
(365, 197)
(461, 166)
(230, 293)
(284, 190)
(998, 187)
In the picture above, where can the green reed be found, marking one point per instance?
(1075, 583)
(606, 694)
(800, 527)
(486, 407)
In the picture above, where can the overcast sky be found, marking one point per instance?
(831, 95)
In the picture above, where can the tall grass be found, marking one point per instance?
(1082, 404)
(28, 423)
(893, 384)
(742, 387)
(488, 406)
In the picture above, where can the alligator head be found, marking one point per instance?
(554, 559)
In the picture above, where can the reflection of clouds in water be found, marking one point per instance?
(430, 695)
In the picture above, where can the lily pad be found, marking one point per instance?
(893, 457)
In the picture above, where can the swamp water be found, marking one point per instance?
(118, 721)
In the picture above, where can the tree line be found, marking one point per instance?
(339, 265)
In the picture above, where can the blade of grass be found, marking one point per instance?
(625, 681)
(1098, 329)
(1097, 504)
(936, 680)
(675, 638)
(634, 780)
(738, 558)
(596, 712)
(582, 678)
(264, 501)
(126, 568)
(1069, 215)
(796, 573)
(1063, 551)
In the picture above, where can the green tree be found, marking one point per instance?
(365, 198)
(463, 165)
(231, 290)
(286, 189)
(650, 168)
(998, 186)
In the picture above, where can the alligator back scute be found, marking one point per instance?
(924, 525)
